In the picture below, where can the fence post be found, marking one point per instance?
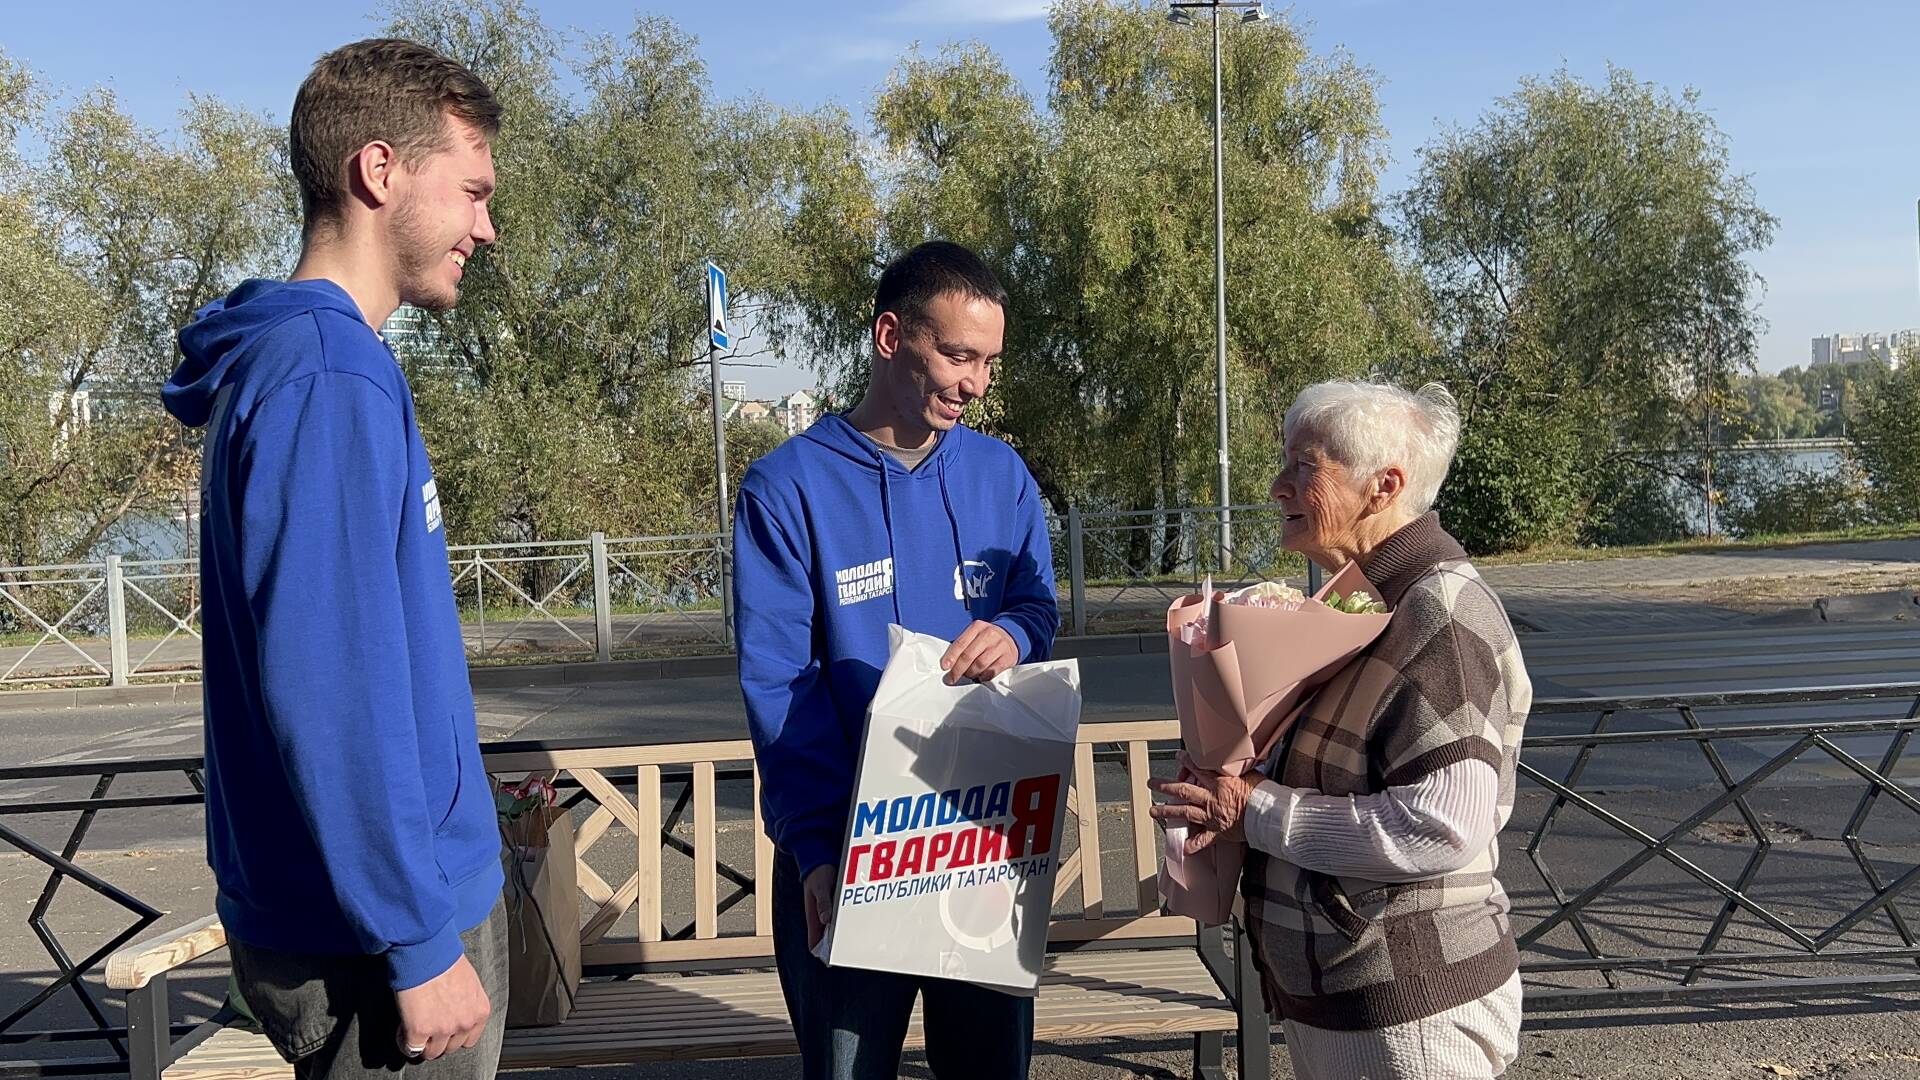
(1313, 577)
(117, 621)
(602, 600)
(480, 597)
(723, 547)
(1077, 570)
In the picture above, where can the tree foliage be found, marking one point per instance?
(1097, 213)
(1572, 265)
(1806, 403)
(109, 240)
(1770, 496)
(1584, 246)
(1886, 441)
(577, 395)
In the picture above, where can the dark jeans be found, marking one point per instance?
(851, 1023)
(336, 1017)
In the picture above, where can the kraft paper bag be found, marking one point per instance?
(543, 919)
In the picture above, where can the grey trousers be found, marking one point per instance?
(335, 1016)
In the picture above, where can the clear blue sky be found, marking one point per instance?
(1818, 100)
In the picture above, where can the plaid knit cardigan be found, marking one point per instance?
(1444, 683)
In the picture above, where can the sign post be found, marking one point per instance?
(718, 338)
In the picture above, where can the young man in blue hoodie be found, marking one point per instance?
(350, 825)
(892, 513)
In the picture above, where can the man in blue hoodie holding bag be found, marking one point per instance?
(892, 513)
(350, 824)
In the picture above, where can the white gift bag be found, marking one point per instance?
(954, 838)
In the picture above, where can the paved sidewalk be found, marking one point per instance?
(1814, 560)
(1648, 594)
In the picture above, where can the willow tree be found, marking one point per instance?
(1097, 210)
(110, 237)
(1585, 248)
(566, 393)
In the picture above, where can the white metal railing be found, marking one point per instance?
(54, 623)
(122, 621)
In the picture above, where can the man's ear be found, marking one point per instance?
(375, 172)
(886, 335)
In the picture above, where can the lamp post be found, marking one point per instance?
(1250, 11)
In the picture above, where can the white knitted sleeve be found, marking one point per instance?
(1406, 833)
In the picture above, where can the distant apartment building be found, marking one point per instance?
(797, 411)
(75, 408)
(1905, 342)
(70, 413)
(794, 413)
(733, 390)
(413, 336)
(1858, 348)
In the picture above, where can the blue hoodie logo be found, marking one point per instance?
(970, 580)
(864, 582)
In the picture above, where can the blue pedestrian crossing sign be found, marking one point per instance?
(717, 332)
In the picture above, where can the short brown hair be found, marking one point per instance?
(382, 89)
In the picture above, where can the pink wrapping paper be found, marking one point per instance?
(1236, 691)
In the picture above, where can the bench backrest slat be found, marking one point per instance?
(706, 861)
(1086, 811)
(1146, 863)
(647, 836)
(762, 868)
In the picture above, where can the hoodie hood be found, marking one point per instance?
(221, 332)
(836, 434)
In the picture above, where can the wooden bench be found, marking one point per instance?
(655, 993)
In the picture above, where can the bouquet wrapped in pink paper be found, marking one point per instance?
(1242, 663)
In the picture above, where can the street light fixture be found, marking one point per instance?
(1181, 12)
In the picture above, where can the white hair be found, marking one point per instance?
(1371, 426)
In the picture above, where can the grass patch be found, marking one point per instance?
(583, 611)
(1564, 553)
(28, 637)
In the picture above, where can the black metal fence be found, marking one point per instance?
(1639, 887)
(24, 793)
(1721, 934)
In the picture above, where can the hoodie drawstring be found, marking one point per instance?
(886, 464)
(886, 519)
(953, 523)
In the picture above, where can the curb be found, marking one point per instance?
(529, 675)
(16, 700)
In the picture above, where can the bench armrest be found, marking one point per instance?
(134, 966)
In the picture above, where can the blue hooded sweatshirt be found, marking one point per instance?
(348, 811)
(833, 540)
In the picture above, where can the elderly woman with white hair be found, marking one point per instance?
(1380, 931)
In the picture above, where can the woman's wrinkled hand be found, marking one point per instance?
(1214, 805)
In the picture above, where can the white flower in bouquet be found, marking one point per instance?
(1269, 594)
